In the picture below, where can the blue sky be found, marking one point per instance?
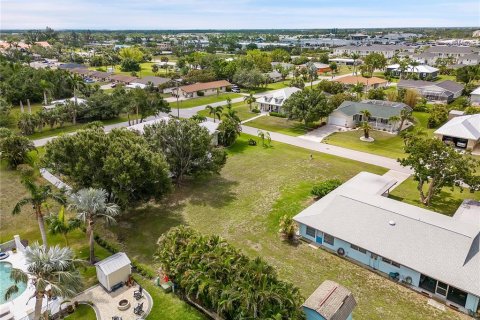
(236, 14)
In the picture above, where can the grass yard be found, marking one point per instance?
(385, 144)
(242, 108)
(244, 204)
(271, 86)
(83, 312)
(146, 70)
(195, 102)
(446, 202)
(280, 125)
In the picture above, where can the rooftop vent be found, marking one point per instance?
(391, 222)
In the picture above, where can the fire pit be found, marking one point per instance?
(123, 305)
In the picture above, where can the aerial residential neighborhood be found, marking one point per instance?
(250, 160)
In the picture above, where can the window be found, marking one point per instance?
(457, 296)
(393, 263)
(310, 232)
(442, 288)
(386, 260)
(354, 247)
(329, 239)
(427, 283)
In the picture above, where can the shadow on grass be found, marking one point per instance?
(213, 191)
(443, 203)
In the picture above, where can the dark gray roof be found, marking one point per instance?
(72, 66)
(378, 108)
(414, 83)
(376, 47)
(156, 81)
(451, 86)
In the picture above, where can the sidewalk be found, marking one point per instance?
(364, 157)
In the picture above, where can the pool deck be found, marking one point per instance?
(106, 303)
(23, 306)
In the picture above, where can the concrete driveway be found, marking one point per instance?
(321, 133)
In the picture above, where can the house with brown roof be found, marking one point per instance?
(202, 89)
(330, 301)
(368, 83)
(100, 75)
(121, 78)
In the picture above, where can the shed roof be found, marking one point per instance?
(434, 244)
(113, 263)
(332, 301)
(122, 78)
(378, 108)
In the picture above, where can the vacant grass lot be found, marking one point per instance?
(146, 70)
(243, 204)
(281, 125)
(243, 111)
(269, 87)
(195, 102)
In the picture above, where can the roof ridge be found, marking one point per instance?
(403, 215)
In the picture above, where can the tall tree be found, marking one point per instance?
(437, 165)
(54, 273)
(187, 147)
(374, 61)
(46, 86)
(91, 205)
(307, 105)
(76, 82)
(37, 198)
(250, 99)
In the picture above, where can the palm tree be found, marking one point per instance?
(211, 111)
(76, 82)
(38, 196)
(405, 115)
(357, 89)
(218, 110)
(366, 129)
(59, 224)
(91, 204)
(250, 99)
(288, 227)
(355, 56)
(53, 272)
(412, 133)
(232, 114)
(46, 86)
(394, 120)
(365, 115)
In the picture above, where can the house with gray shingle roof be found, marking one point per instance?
(349, 114)
(330, 301)
(432, 253)
(446, 90)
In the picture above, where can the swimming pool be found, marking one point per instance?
(6, 282)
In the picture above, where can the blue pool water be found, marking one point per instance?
(6, 282)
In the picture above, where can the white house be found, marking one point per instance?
(61, 102)
(432, 253)
(114, 271)
(274, 101)
(462, 131)
(422, 71)
(475, 96)
(349, 114)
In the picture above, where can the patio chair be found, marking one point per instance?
(137, 294)
(138, 310)
(116, 318)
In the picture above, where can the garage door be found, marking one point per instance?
(336, 121)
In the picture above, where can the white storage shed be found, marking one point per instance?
(113, 271)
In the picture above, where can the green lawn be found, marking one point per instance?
(243, 204)
(146, 70)
(195, 102)
(447, 202)
(385, 144)
(83, 312)
(271, 86)
(168, 306)
(243, 111)
(281, 125)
